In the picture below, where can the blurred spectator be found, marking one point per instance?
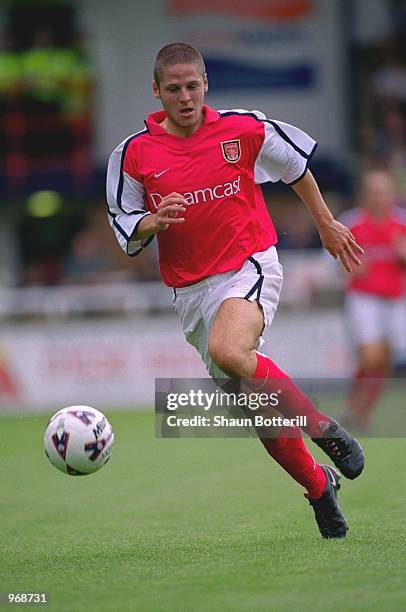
(86, 261)
(388, 148)
(389, 80)
(298, 232)
(294, 225)
(147, 268)
(382, 108)
(93, 257)
(390, 135)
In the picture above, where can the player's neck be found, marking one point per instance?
(379, 215)
(177, 130)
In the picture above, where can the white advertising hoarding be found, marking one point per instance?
(113, 364)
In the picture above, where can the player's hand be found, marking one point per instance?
(341, 244)
(168, 210)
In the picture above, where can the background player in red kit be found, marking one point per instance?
(375, 307)
(192, 177)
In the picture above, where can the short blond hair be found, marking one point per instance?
(177, 53)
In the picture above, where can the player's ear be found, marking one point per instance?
(205, 82)
(155, 90)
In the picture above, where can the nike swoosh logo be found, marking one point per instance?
(158, 174)
(332, 477)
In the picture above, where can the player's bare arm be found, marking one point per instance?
(335, 237)
(166, 215)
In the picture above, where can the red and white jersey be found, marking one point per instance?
(384, 269)
(218, 170)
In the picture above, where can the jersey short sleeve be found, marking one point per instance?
(125, 200)
(285, 153)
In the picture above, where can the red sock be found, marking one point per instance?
(293, 456)
(292, 401)
(365, 390)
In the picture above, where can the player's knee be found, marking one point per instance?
(228, 359)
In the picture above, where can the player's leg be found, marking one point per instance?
(197, 308)
(289, 450)
(367, 383)
(234, 335)
(366, 317)
(320, 481)
(233, 338)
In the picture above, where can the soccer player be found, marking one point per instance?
(375, 306)
(192, 177)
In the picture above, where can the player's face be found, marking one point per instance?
(378, 193)
(181, 91)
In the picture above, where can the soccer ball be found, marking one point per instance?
(78, 440)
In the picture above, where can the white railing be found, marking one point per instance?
(307, 274)
(68, 300)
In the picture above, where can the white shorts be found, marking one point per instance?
(375, 319)
(260, 279)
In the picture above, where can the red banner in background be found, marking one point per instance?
(9, 387)
(272, 10)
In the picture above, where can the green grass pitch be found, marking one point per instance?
(194, 525)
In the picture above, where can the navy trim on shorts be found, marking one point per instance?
(258, 284)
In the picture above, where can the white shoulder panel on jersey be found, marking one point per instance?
(285, 153)
(125, 200)
(242, 111)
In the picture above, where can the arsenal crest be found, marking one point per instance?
(231, 150)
